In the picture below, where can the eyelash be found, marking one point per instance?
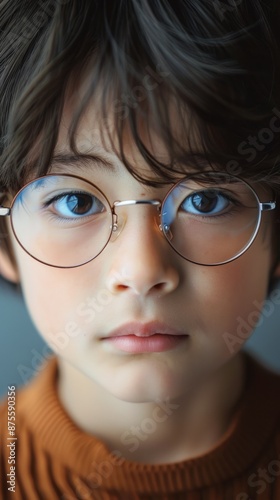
(56, 216)
(234, 208)
(57, 197)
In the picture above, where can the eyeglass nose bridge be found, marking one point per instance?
(118, 222)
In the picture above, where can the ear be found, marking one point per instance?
(7, 268)
(276, 271)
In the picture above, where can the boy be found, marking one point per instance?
(139, 190)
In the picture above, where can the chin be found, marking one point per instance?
(145, 391)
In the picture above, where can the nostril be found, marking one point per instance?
(159, 286)
(121, 288)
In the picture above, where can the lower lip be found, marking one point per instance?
(154, 343)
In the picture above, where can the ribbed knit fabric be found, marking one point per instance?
(56, 460)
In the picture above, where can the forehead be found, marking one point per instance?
(99, 138)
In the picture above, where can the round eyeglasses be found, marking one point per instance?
(65, 221)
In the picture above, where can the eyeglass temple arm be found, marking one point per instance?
(270, 205)
(4, 211)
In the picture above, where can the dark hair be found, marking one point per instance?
(218, 63)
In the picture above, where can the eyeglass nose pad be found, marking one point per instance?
(168, 233)
(165, 229)
(118, 225)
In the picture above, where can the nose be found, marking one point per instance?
(142, 262)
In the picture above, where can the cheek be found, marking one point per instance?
(54, 295)
(231, 299)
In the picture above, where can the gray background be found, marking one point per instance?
(22, 349)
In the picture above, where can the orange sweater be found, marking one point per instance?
(56, 460)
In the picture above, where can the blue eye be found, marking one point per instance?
(206, 203)
(75, 205)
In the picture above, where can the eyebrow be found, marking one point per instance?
(82, 160)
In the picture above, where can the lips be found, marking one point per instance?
(144, 330)
(139, 338)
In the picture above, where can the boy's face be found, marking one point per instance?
(139, 278)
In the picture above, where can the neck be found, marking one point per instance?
(155, 432)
